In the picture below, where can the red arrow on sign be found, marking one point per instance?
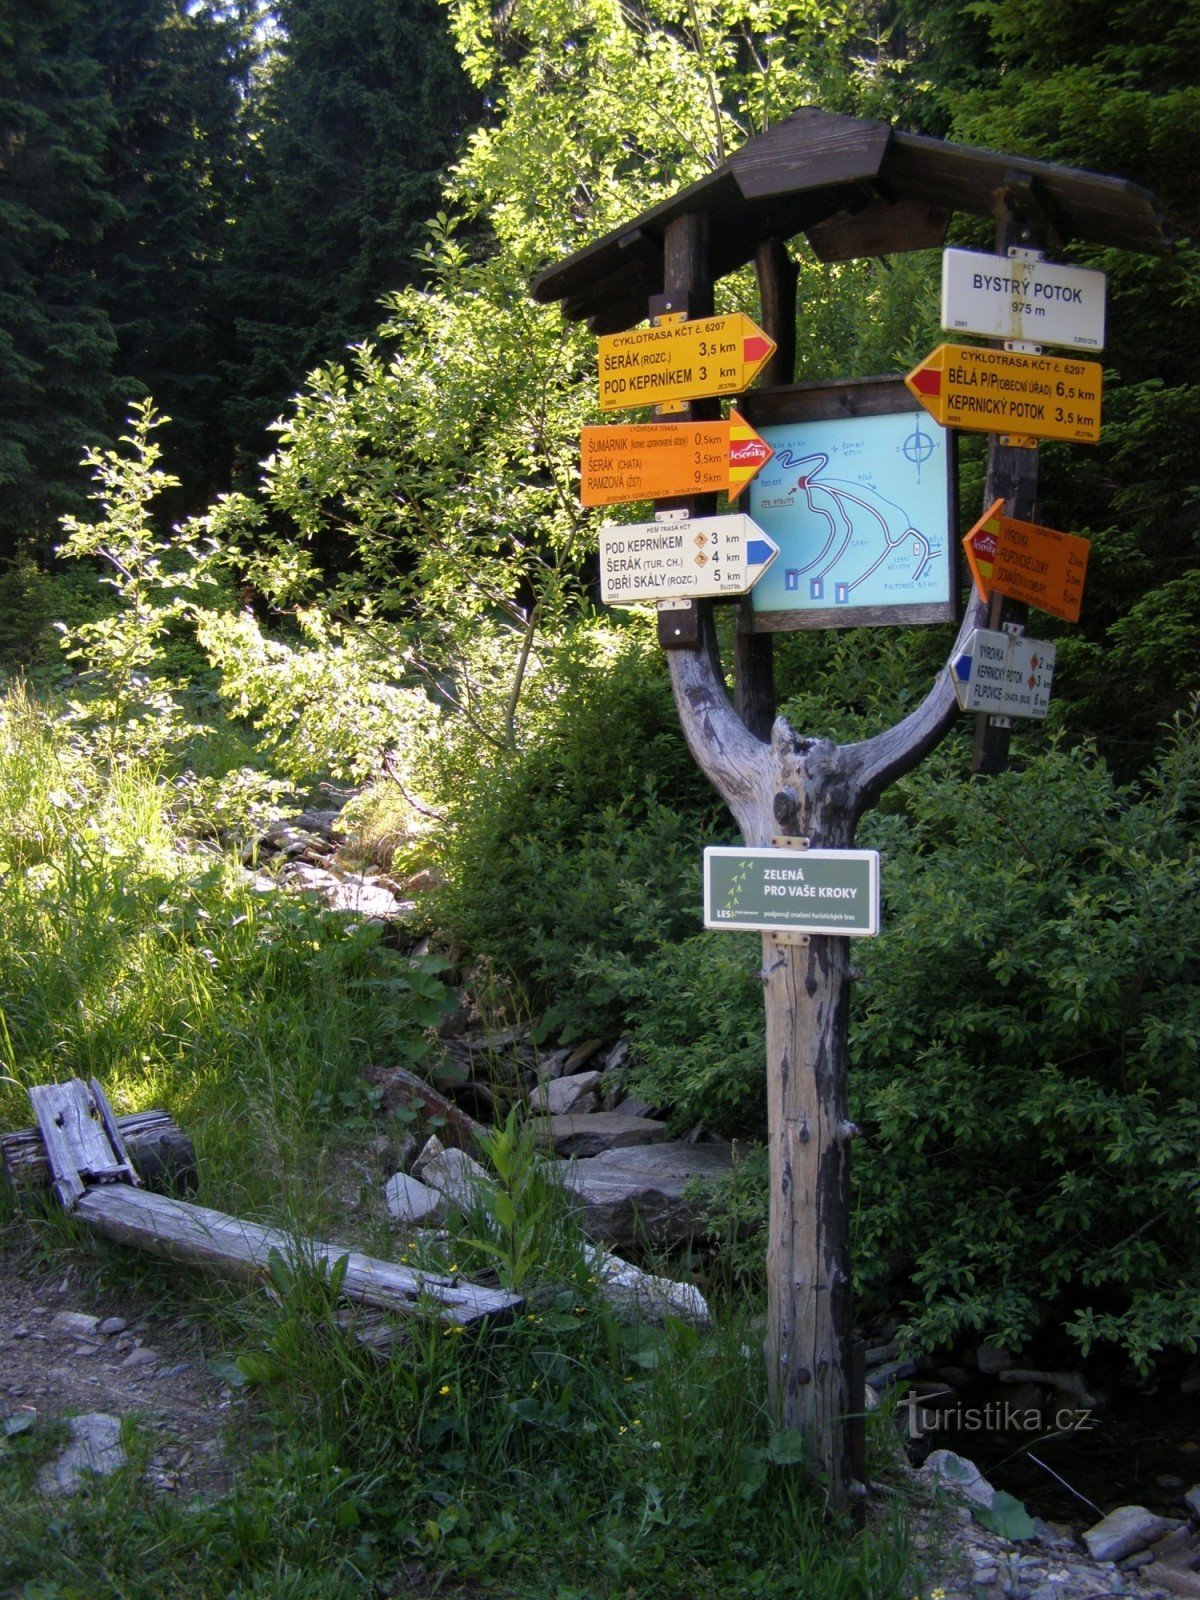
(926, 380)
(756, 348)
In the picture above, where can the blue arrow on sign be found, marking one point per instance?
(759, 552)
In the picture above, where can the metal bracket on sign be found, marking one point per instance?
(999, 722)
(1016, 629)
(788, 841)
(1018, 441)
(666, 310)
(1018, 252)
(678, 624)
(1024, 347)
(675, 514)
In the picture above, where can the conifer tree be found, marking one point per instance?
(362, 108)
(56, 340)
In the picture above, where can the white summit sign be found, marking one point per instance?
(1023, 298)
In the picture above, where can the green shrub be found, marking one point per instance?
(1023, 1046)
(585, 838)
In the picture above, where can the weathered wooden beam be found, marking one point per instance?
(197, 1236)
(164, 1156)
(80, 1135)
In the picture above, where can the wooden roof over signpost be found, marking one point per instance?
(854, 188)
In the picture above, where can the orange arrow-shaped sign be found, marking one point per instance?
(658, 460)
(681, 361)
(980, 545)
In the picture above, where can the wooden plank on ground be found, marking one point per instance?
(162, 1153)
(74, 1121)
(199, 1237)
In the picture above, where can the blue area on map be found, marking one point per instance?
(859, 509)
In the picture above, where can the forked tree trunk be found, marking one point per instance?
(799, 788)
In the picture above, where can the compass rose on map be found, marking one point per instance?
(918, 447)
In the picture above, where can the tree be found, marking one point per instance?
(119, 121)
(361, 108)
(176, 72)
(56, 342)
(1113, 90)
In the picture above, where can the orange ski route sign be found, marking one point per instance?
(1041, 566)
(681, 361)
(1007, 391)
(658, 460)
(980, 546)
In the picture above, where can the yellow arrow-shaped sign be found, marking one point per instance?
(1007, 391)
(681, 361)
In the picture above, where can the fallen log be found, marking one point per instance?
(197, 1236)
(162, 1153)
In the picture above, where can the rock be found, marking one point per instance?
(410, 1200)
(890, 1372)
(992, 1358)
(581, 1054)
(451, 1172)
(634, 1196)
(1125, 1530)
(592, 1133)
(1069, 1383)
(1171, 1544)
(960, 1476)
(1133, 1563)
(112, 1325)
(877, 1354)
(1176, 1580)
(402, 1089)
(644, 1297)
(1190, 1382)
(1191, 1499)
(77, 1323)
(631, 1106)
(143, 1356)
(617, 1056)
(561, 1095)
(1024, 1397)
(95, 1447)
(352, 892)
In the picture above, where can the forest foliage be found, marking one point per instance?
(418, 575)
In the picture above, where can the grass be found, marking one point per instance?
(561, 1456)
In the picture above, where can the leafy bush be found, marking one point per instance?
(585, 837)
(1023, 1048)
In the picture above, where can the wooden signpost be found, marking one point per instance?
(791, 791)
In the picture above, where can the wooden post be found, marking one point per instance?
(795, 787)
(754, 653)
(1012, 470)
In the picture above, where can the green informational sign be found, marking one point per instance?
(792, 891)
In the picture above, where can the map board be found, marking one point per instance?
(859, 497)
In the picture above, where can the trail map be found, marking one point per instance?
(859, 509)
